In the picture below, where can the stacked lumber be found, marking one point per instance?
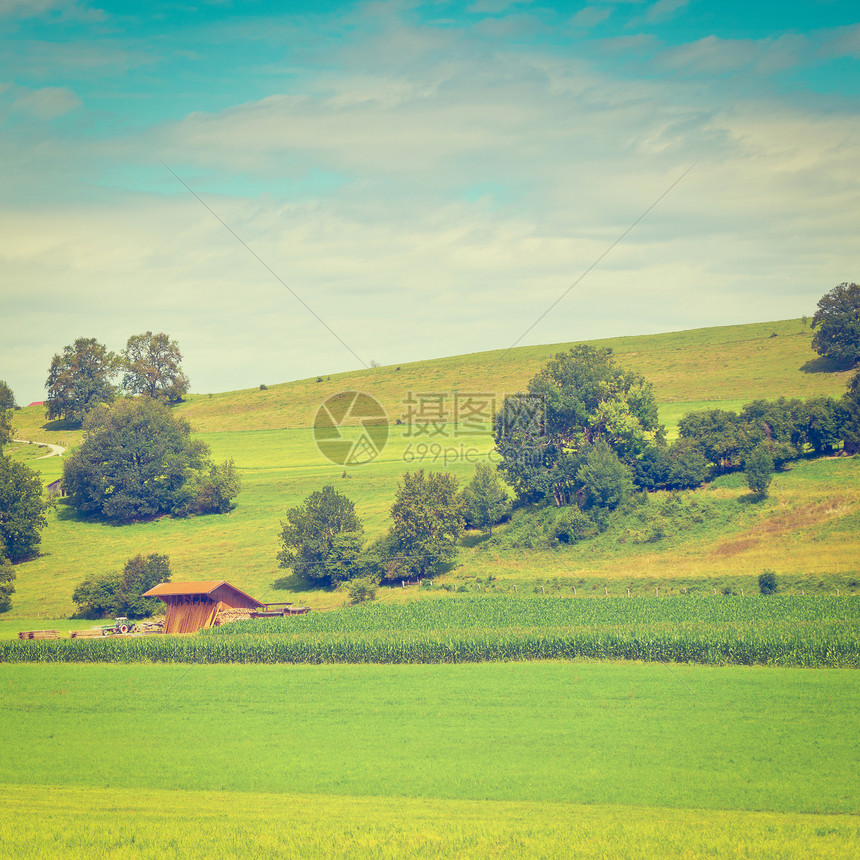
(38, 634)
(86, 634)
(228, 616)
(150, 627)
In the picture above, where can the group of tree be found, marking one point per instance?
(83, 376)
(22, 508)
(119, 593)
(322, 539)
(138, 461)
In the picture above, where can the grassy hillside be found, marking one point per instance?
(806, 529)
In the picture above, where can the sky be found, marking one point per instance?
(298, 189)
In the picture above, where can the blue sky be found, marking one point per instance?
(428, 177)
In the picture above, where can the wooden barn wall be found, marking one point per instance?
(230, 598)
(189, 614)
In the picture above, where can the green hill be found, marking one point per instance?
(806, 529)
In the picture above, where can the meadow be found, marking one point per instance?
(806, 531)
(527, 759)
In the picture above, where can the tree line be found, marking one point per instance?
(82, 377)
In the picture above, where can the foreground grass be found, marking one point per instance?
(72, 823)
(734, 738)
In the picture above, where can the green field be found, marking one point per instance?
(505, 758)
(806, 531)
(775, 631)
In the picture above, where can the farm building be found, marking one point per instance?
(193, 606)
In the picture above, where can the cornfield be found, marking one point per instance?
(775, 631)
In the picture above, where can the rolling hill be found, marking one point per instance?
(806, 530)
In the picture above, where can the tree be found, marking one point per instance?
(484, 500)
(213, 491)
(837, 321)
(22, 510)
(578, 399)
(5, 426)
(823, 421)
(7, 398)
(604, 480)
(119, 593)
(137, 461)
(428, 522)
(79, 380)
(322, 538)
(758, 469)
(139, 575)
(7, 577)
(720, 435)
(152, 367)
(7, 404)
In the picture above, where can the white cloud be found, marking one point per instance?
(400, 258)
(590, 16)
(47, 103)
(713, 55)
(62, 10)
(664, 9)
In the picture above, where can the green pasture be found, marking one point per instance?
(529, 758)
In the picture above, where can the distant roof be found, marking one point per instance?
(37, 403)
(168, 589)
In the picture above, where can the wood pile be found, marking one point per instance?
(86, 634)
(150, 626)
(228, 616)
(38, 634)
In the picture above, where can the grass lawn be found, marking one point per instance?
(529, 758)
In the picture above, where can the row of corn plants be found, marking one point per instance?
(790, 631)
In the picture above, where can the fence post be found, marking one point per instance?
(604, 590)
(715, 591)
(742, 592)
(515, 589)
(574, 591)
(628, 592)
(656, 591)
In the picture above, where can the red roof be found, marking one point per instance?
(172, 589)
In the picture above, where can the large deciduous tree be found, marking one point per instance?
(321, 539)
(837, 321)
(22, 509)
(152, 367)
(138, 461)
(577, 400)
(80, 379)
(428, 522)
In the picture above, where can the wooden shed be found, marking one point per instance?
(193, 606)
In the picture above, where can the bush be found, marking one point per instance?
(767, 582)
(361, 589)
(573, 525)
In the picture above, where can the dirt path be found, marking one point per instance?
(56, 450)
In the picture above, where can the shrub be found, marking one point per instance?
(767, 582)
(361, 589)
(573, 525)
